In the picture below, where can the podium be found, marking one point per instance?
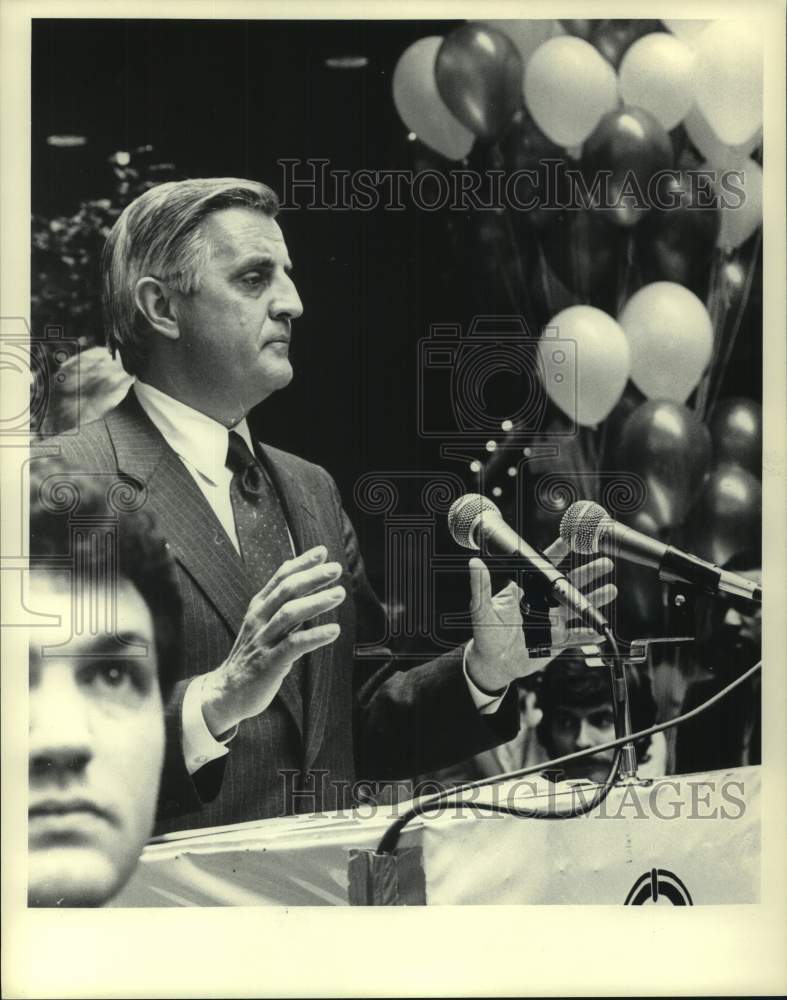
(678, 840)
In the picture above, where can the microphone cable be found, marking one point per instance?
(448, 797)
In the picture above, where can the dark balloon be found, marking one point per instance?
(667, 445)
(675, 241)
(479, 76)
(584, 249)
(631, 399)
(614, 38)
(632, 146)
(736, 431)
(728, 517)
(580, 27)
(524, 147)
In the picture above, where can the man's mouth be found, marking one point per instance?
(55, 812)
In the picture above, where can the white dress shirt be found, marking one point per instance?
(201, 444)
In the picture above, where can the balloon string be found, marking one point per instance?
(714, 305)
(737, 322)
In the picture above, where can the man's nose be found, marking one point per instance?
(286, 303)
(60, 731)
(585, 736)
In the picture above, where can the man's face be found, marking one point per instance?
(235, 329)
(571, 728)
(96, 740)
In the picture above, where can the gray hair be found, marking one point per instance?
(160, 235)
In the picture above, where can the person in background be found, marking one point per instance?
(577, 713)
(104, 654)
(729, 642)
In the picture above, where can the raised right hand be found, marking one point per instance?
(271, 639)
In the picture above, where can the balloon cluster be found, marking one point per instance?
(650, 291)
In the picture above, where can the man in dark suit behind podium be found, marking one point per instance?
(271, 716)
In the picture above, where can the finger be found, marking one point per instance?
(306, 640)
(312, 557)
(294, 613)
(557, 551)
(512, 593)
(583, 576)
(480, 586)
(603, 595)
(295, 585)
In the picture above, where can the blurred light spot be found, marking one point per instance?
(411, 136)
(346, 62)
(497, 492)
(507, 425)
(511, 471)
(475, 466)
(491, 445)
(66, 141)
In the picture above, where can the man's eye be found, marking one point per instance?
(603, 720)
(256, 279)
(115, 678)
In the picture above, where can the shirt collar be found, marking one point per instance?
(195, 437)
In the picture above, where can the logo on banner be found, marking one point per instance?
(661, 887)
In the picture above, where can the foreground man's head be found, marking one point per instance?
(102, 656)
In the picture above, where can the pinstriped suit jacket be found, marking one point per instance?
(370, 719)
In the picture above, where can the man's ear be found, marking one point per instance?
(154, 300)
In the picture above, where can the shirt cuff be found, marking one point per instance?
(487, 704)
(199, 745)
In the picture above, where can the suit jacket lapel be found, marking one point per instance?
(305, 527)
(195, 535)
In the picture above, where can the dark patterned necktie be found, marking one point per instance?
(259, 519)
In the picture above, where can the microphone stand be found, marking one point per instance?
(638, 653)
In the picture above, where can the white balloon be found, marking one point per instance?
(586, 360)
(741, 205)
(671, 337)
(420, 105)
(568, 86)
(717, 153)
(657, 74)
(687, 31)
(728, 75)
(528, 35)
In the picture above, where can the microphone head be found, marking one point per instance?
(464, 515)
(580, 524)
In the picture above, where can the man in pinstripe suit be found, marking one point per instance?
(271, 716)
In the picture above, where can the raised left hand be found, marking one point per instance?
(497, 653)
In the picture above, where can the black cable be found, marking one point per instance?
(390, 838)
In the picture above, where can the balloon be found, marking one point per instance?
(568, 87)
(718, 155)
(741, 216)
(614, 38)
(675, 241)
(687, 31)
(626, 150)
(728, 516)
(631, 400)
(525, 148)
(528, 35)
(580, 27)
(420, 106)
(728, 79)
(586, 365)
(736, 431)
(671, 337)
(668, 446)
(657, 74)
(583, 248)
(479, 76)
